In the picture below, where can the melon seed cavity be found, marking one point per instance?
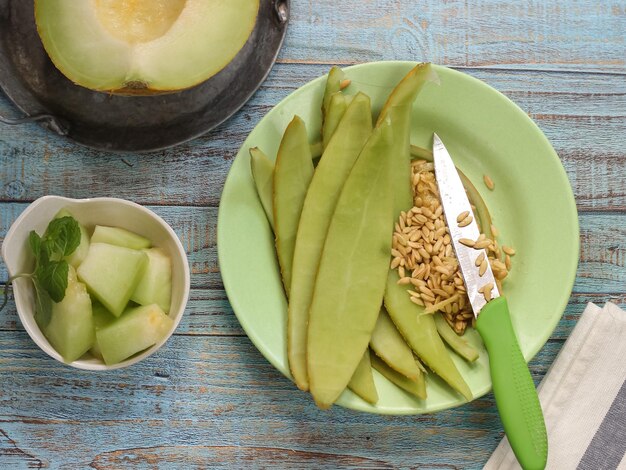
(422, 253)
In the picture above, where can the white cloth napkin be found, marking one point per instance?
(583, 397)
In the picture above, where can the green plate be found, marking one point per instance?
(532, 205)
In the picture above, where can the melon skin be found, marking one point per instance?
(155, 286)
(96, 50)
(71, 328)
(137, 329)
(112, 273)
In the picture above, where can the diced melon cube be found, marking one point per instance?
(137, 329)
(101, 318)
(119, 237)
(70, 330)
(155, 286)
(112, 274)
(79, 254)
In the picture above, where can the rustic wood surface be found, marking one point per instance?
(208, 398)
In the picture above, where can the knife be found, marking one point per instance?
(516, 397)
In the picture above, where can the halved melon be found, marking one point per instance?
(143, 45)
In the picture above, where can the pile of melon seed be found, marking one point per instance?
(423, 255)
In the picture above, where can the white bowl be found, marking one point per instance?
(89, 212)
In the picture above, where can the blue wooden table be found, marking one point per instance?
(209, 398)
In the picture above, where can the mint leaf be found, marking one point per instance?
(34, 241)
(61, 238)
(53, 278)
(43, 306)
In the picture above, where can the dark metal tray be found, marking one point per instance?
(129, 123)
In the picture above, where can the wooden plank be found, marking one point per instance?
(602, 267)
(231, 456)
(12, 456)
(207, 392)
(560, 33)
(581, 114)
(209, 313)
(209, 398)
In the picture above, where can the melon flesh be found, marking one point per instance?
(155, 286)
(112, 274)
(101, 318)
(137, 329)
(71, 330)
(155, 45)
(119, 237)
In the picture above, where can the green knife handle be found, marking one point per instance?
(513, 387)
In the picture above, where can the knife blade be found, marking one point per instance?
(513, 387)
